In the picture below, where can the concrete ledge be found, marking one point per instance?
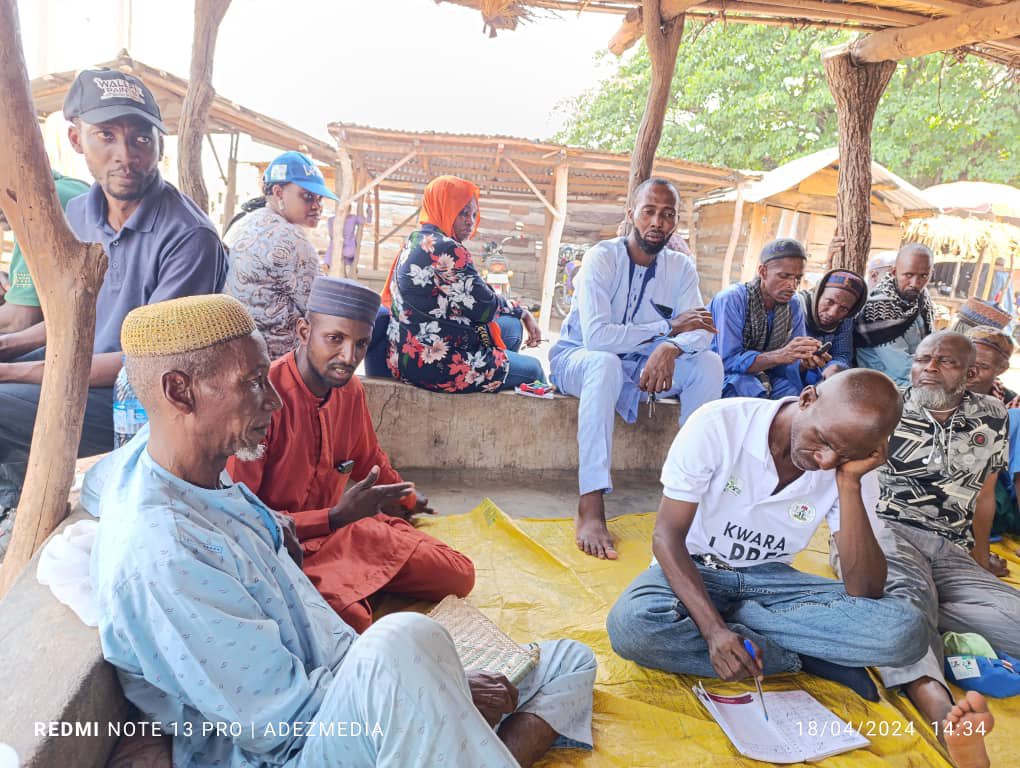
(54, 672)
(505, 431)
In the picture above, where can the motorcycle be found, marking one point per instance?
(495, 266)
(569, 263)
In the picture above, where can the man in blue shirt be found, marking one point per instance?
(762, 339)
(637, 328)
(159, 243)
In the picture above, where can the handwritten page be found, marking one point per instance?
(799, 728)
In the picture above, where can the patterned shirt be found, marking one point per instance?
(272, 266)
(935, 472)
(441, 316)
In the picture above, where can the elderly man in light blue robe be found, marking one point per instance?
(637, 328)
(218, 635)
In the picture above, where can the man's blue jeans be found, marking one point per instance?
(783, 611)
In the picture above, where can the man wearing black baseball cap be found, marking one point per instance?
(762, 338)
(160, 246)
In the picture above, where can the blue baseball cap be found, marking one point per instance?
(296, 168)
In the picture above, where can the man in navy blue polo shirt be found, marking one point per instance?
(159, 243)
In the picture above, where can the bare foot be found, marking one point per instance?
(965, 729)
(592, 534)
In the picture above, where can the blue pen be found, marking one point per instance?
(761, 697)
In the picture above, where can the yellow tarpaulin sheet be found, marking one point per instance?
(535, 584)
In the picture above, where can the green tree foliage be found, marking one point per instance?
(747, 96)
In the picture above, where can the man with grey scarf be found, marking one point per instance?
(897, 315)
(761, 335)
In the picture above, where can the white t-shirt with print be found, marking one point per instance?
(721, 461)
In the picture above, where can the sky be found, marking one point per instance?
(402, 64)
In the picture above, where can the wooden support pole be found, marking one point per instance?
(67, 275)
(400, 226)
(731, 246)
(994, 22)
(230, 201)
(692, 229)
(554, 235)
(989, 276)
(375, 233)
(755, 242)
(344, 183)
(856, 90)
(975, 276)
(360, 178)
(663, 40)
(956, 277)
(198, 99)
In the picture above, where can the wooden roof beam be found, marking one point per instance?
(531, 185)
(382, 176)
(994, 22)
(632, 28)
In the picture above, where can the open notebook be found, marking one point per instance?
(799, 729)
(481, 645)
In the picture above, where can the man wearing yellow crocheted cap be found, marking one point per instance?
(218, 635)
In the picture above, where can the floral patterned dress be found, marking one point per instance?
(441, 318)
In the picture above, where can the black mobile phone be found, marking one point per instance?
(824, 348)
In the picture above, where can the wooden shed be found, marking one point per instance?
(561, 194)
(795, 200)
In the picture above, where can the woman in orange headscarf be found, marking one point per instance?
(443, 332)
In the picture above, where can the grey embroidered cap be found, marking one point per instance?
(340, 297)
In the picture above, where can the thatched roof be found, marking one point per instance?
(864, 17)
(966, 238)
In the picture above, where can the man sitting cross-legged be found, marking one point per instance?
(937, 502)
(216, 633)
(323, 466)
(746, 484)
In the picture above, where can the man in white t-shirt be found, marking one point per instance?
(746, 484)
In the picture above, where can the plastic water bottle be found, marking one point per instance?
(128, 414)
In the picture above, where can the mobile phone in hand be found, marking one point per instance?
(824, 348)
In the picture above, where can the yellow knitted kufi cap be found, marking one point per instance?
(184, 325)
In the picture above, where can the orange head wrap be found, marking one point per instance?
(444, 199)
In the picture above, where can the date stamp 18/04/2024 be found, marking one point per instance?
(882, 728)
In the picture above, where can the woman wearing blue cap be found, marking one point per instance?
(272, 261)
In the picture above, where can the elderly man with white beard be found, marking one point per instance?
(937, 503)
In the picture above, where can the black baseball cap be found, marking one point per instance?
(98, 95)
(783, 248)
